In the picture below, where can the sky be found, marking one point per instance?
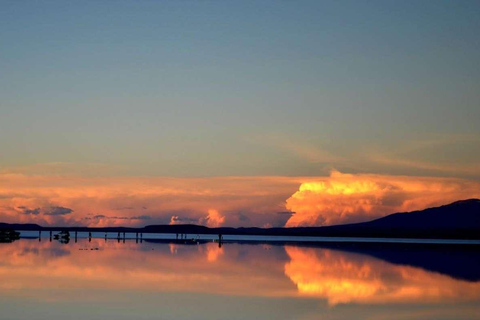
(243, 108)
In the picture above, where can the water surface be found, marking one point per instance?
(166, 279)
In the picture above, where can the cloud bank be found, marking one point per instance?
(136, 201)
(348, 198)
(221, 201)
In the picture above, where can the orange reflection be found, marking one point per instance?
(345, 277)
(28, 265)
(234, 269)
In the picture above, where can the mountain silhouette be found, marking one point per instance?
(464, 214)
(460, 219)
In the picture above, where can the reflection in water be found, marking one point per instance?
(152, 266)
(343, 277)
(91, 267)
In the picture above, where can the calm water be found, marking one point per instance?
(160, 279)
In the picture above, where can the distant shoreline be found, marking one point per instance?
(342, 231)
(275, 239)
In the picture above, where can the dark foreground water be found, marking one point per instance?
(165, 279)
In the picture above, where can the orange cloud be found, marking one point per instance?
(345, 198)
(214, 219)
(134, 201)
(220, 201)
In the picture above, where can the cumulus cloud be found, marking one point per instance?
(160, 198)
(346, 198)
(182, 220)
(214, 219)
(220, 201)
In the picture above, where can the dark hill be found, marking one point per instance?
(460, 220)
(464, 214)
(20, 226)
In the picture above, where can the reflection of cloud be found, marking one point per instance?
(30, 265)
(213, 252)
(235, 269)
(344, 278)
(344, 198)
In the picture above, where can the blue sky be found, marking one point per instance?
(207, 88)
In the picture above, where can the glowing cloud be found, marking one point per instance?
(214, 219)
(137, 201)
(220, 201)
(345, 198)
